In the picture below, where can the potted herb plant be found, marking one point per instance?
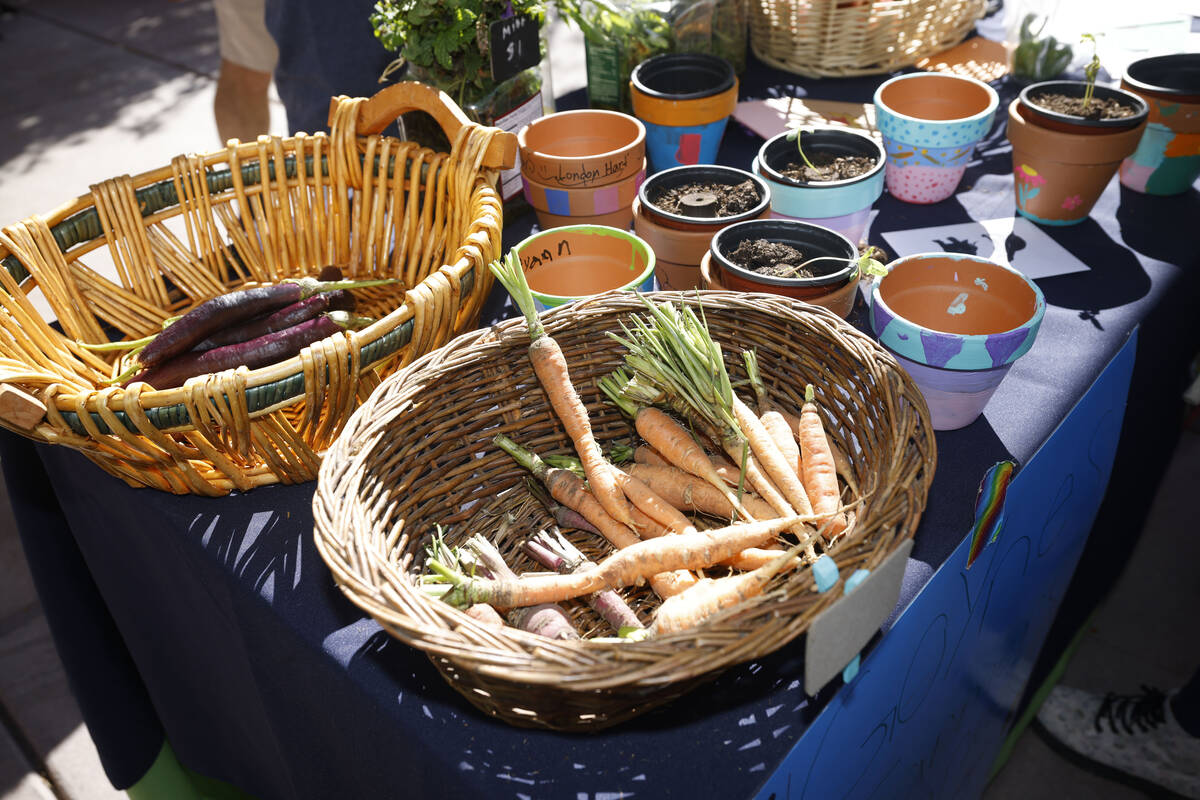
(1068, 139)
(448, 45)
(677, 211)
(790, 258)
(826, 176)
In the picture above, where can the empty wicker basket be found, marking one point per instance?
(251, 214)
(419, 453)
(842, 38)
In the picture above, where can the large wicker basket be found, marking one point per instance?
(418, 453)
(254, 213)
(842, 38)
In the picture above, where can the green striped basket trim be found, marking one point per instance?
(85, 226)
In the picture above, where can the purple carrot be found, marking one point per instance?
(546, 619)
(562, 556)
(563, 516)
(260, 352)
(220, 312)
(284, 318)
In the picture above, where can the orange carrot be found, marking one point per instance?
(687, 610)
(550, 366)
(820, 475)
(770, 415)
(566, 487)
(649, 503)
(773, 462)
(626, 567)
(644, 454)
(840, 461)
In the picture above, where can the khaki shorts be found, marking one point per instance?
(242, 31)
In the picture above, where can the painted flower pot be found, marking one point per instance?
(684, 100)
(1059, 176)
(567, 264)
(1167, 158)
(843, 206)
(578, 149)
(956, 323)
(930, 125)
(680, 241)
(613, 201)
(833, 290)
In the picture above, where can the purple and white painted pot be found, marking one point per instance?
(956, 323)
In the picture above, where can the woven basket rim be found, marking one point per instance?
(267, 388)
(341, 476)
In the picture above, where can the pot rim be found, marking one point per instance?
(587, 191)
(728, 76)
(604, 230)
(993, 97)
(565, 117)
(1034, 321)
(1118, 124)
(654, 212)
(833, 279)
(1189, 95)
(773, 174)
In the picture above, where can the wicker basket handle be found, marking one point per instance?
(387, 104)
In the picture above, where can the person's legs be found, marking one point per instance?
(248, 55)
(1185, 705)
(1139, 736)
(240, 105)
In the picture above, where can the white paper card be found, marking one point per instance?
(1014, 241)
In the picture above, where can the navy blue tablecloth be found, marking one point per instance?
(214, 622)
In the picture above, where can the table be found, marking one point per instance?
(213, 623)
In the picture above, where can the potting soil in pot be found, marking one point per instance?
(827, 167)
(1098, 108)
(779, 260)
(728, 199)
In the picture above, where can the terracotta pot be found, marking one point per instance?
(617, 219)
(679, 241)
(835, 290)
(684, 100)
(567, 264)
(1068, 123)
(590, 201)
(930, 123)
(956, 323)
(843, 206)
(1167, 159)
(576, 149)
(1059, 176)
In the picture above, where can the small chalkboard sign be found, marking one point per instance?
(514, 46)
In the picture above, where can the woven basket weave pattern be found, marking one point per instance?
(419, 453)
(844, 38)
(252, 214)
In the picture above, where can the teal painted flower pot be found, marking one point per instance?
(956, 323)
(1167, 159)
(572, 262)
(684, 100)
(930, 123)
(843, 206)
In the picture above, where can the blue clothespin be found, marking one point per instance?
(851, 670)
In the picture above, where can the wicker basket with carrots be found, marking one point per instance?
(463, 511)
(252, 216)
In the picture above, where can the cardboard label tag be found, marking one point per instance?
(514, 46)
(842, 630)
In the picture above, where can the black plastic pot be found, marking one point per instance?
(700, 173)
(683, 76)
(1176, 75)
(1069, 123)
(780, 151)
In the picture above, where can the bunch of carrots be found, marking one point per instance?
(251, 327)
(718, 499)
